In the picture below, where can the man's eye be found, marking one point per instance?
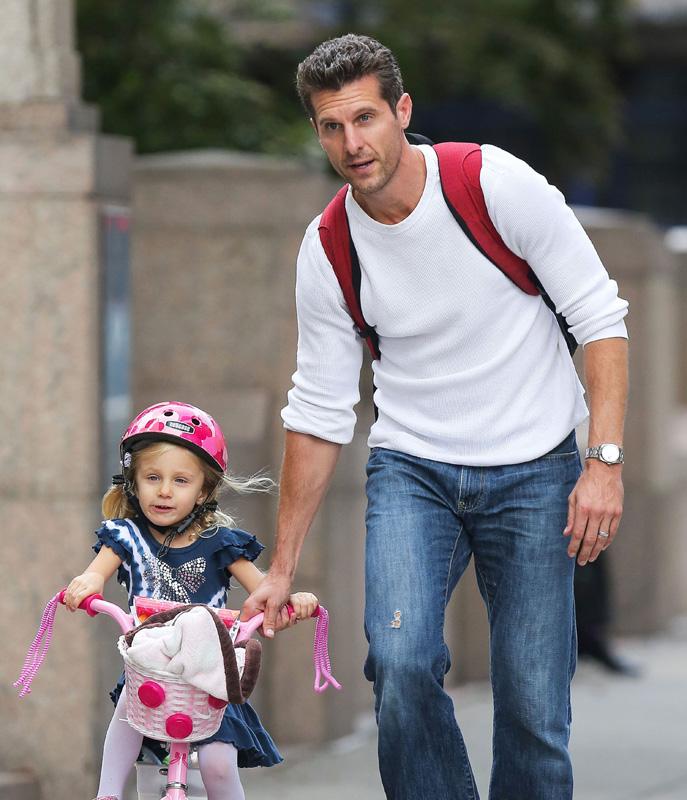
(331, 126)
(365, 117)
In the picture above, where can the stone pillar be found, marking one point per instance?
(38, 56)
(52, 187)
(676, 241)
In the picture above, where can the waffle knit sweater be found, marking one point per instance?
(473, 370)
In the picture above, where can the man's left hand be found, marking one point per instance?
(595, 507)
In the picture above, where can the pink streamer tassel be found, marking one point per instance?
(38, 649)
(323, 668)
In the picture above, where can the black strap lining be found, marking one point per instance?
(570, 340)
(368, 332)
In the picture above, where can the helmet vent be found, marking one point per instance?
(195, 420)
(169, 413)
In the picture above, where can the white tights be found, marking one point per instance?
(217, 761)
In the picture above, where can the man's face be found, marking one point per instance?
(359, 132)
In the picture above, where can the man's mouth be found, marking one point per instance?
(361, 166)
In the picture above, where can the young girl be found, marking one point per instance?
(166, 539)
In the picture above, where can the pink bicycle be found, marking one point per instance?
(160, 705)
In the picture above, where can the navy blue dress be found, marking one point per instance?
(196, 573)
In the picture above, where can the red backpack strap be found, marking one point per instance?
(335, 236)
(460, 164)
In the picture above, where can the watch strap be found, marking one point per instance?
(595, 452)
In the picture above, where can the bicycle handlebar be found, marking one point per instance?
(85, 604)
(95, 604)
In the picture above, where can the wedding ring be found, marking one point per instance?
(603, 534)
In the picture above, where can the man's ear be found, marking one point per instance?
(404, 110)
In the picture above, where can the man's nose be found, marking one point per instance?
(352, 140)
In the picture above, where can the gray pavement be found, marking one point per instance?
(629, 737)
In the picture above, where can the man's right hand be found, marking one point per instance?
(270, 596)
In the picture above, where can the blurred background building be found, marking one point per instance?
(169, 274)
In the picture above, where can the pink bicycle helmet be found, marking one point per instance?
(182, 424)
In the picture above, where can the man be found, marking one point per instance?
(473, 452)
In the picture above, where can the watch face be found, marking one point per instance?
(610, 452)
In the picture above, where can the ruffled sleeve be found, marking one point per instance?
(232, 544)
(115, 534)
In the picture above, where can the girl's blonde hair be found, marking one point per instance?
(116, 505)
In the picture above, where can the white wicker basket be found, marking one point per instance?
(180, 698)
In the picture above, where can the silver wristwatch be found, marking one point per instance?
(607, 452)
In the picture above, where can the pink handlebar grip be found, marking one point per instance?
(292, 610)
(85, 604)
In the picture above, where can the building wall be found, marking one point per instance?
(56, 172)
(649, 558)
(50, 193)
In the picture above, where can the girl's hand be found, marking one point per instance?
(285, 619)
(82, 587)
(304, 604)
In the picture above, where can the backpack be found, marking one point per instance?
(460, 164)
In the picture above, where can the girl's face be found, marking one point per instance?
(169, 484)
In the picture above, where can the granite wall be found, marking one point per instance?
(56, 174)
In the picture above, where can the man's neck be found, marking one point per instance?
(402, 193)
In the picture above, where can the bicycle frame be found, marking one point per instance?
(176, 787)
(179, 752)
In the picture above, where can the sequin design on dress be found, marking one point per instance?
(173, 583)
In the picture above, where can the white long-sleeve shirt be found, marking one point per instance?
(473, 370)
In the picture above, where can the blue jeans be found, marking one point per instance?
(425, 519)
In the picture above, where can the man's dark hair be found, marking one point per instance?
(348, 58)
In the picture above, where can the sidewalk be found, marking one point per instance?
(629, 737)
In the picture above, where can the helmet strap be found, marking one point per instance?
(171, 531)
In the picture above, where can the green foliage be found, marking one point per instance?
(552, 61)
(173, 79)
(170, 76)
